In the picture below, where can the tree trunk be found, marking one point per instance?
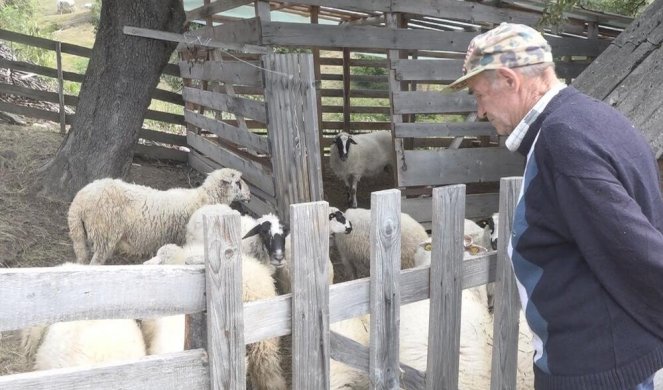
(627, 75)
(122, 74)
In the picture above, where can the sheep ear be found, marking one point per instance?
(255, 230)
(351, 141)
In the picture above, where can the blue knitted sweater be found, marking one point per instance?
(587, 247)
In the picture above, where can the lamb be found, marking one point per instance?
(490, 226)
(354, 250)
(338, 224)
(372, 153)
(263, 238)
(76, 343)
(114, 215)
(166, 334)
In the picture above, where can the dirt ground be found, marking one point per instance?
(34, 233)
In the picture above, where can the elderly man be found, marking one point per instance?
(587, 242)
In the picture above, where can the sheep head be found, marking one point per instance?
(272, 234)
(338, 223)
(343, 142)
(226, 186)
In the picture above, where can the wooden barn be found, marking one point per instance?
(373, 65)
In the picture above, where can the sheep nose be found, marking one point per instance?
(348, 229)
(278, 255)
(343, 158)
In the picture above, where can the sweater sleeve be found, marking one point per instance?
(619, 243)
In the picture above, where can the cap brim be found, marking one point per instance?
(462, 82)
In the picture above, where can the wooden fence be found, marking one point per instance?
(68, 102)
(282, 163)
(97, 292)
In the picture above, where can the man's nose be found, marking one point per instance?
(481, 113)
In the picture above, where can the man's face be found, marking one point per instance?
(497, 101)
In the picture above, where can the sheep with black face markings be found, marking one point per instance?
(352, 157)
(136, 220)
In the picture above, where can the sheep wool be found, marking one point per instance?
(354, 249)
(136, 220)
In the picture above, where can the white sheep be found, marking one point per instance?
(343, 377)
(491, 231)
(262, 238)
(338, 224)
(65, 6)
(166, 334)
(370, 155)
(354, 248)
(76, 343)
(476, 330)
(114, 215)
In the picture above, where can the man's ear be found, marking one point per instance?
(511, 78)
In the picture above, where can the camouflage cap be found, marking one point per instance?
(508, 45)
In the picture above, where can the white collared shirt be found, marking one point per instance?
(516, 137)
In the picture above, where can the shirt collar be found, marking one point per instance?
(516, 137)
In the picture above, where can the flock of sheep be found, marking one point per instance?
(166, 227)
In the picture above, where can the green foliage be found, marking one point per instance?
(96, 14)
(369, 71)
(553, 13)
(20, 16)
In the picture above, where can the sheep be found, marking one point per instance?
(490, 226)
(262, 238)
(354, 249)
(372, 153)
(343, 377)
(338, 224)
(137, 220)
(76, 343)
(166, 334)
(476, 330)
(65, 6)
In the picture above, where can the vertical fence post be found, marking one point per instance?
(225, 318)
(292, 125)
(507, 302)
(310, 299)
(446, 276)
(58, 59)
(385, 295)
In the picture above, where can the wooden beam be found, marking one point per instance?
(192, 39)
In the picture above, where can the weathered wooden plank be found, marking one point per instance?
(467, 165)
(253, 172)
(446, 275)
(160, 153)
(44, 43)
(325, 36)
(451, 129)
(225, 322)
(46, 96)
(355, 93)
(213, 8)
(222, 102)
(433, 102)
(167, 117)
(190, 39)
(385, 249)
(175, 371)
(73, 293)
(507, 301)
(234, 72)
(245, 31)
(310, 299)
(293, 129)
(354, 77)
(250, 140)
(162, 136)
(427, 70)
(476, 206)
(34, 112)
(373, 63)
(357, 109)
(332, 125)
(40, 70)
(351, 299)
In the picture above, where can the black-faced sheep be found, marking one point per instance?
(262, 238)
(114, 215)
(370, 155)
(354, 248)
